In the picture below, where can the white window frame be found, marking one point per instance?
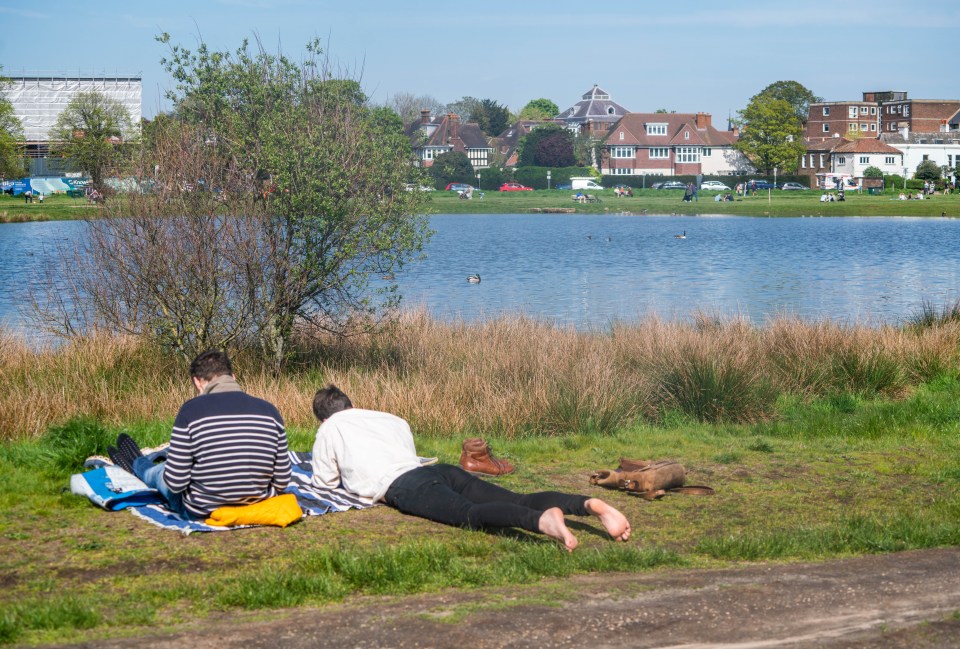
(659, 153)
(706, 152)
(688, 154)
(826, 111)
(841, 160)
(890, 160)
(851, 112)
(826, 127)
(864, 159)
(623, 152)
(621, 136)
(873, 127)
(851, 127)
(656, 128)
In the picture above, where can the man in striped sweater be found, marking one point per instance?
(227, 447)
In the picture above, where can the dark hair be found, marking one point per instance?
(328, 401)
(211, 364)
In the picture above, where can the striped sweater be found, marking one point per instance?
(227, 448)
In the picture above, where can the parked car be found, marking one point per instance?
(714, 186)
(672, 184)
(458, 187)
(791, 186)
(515, 187)
(760, 184)
(564, 186)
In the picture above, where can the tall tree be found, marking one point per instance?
(90, 133)
(466, 107)
(529, 144)
(408, 106)
(772, 134)
(491, 117)
(795, 94)
(555, 150)
(11, 134)
(282, 196)
(452, 166)
(539, 109)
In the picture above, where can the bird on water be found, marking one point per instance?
(681, 236)
(473, 279)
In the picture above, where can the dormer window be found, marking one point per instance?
(610, 110)
(656, 129)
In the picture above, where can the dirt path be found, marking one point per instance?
(909, 599)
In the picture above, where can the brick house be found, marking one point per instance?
(594, 114)
(671, 144)
(854, 156)
(915, 130)
(432, 136)
(506, 143)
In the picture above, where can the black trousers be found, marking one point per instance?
(447, 494)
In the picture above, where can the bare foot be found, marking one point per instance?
(613, 521)
(553, 525)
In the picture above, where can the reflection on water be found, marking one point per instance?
(589, 270)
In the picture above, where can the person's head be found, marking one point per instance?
(209, 365)
(329, 401)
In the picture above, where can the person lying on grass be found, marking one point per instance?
(372, 455)
(227, 448)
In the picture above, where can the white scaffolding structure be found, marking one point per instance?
(38, 99)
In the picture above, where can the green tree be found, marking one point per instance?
(872, 172)
(772, 134)
(491, 117)
(466, 107)
(927, 170)
(795, 94)
(11, 134)
(282, 197)
(537, 109)
(91, 132)
(452, 167)
(528, 144)
(555, 150)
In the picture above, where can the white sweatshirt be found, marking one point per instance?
(364, 450)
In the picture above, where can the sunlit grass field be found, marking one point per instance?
(821, 441)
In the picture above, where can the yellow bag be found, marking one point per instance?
(279, 510)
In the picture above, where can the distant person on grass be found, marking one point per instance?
(227, 448)
(372, 455)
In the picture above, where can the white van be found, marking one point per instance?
(584, 182)
(828, 181)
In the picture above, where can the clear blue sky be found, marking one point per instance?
(687, 56)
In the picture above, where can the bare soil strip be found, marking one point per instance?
(908, 599)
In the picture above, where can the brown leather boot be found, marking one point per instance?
(476, 458)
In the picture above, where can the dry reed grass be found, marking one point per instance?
(505, 377)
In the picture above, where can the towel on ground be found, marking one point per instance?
(126, 491)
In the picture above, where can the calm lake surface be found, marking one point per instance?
(589, 270)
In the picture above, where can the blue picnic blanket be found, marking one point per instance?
(113, 488)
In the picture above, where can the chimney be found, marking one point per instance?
(454, 125)
(703, 121)
(424, 115)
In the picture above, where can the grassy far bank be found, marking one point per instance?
(847, 444)
(58, 207)
(652, 201)
(649, 201)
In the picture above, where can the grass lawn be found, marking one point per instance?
(58, 207)
(831, 478)
(652, 201)
(644, 201)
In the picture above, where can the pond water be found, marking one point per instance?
(590, 270)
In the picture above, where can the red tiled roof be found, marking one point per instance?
(633, 126)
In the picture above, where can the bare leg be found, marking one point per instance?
(553, 525)
(616, 524)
